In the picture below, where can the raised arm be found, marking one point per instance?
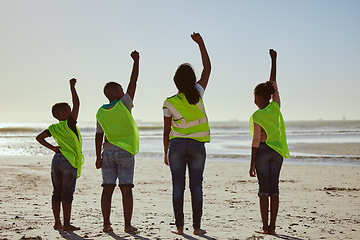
(205, 60)
(273, 56)
(75, 99)
(134, 74)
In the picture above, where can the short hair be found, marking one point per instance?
(59, 108)
(109, 88)
(264, 90)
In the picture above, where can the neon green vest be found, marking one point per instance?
(70, 144)
(189, 121)
(119, 127)
(271, 120)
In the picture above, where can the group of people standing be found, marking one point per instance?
(186, 130)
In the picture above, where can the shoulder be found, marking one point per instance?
(171, 96)
(170, 99)
(127, 101)
(200, 89)
(255, 116)
(274, 105)
(71, 120)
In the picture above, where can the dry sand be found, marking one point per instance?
(316, 202)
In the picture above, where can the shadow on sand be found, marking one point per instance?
(70, 235)
(197, 237)
(286, 237)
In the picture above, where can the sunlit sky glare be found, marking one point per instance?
(45, 43)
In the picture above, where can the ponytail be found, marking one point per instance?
(185, 81)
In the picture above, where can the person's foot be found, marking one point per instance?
(130, 229)
(70, 228)
(58, 226)
(263, 231)
(272, 230)
(178, 231)
(199, 231)
(107, 229)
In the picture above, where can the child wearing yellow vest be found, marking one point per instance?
(119, 146)
(68, 158)
(186, 129)
(269, 146)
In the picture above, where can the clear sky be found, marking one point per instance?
(45, 43)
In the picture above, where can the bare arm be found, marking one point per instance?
(255, 146)
(167, 129)
(273, 56)
(134, 74)
(254, 151)
(41, 139)
(205, 60)
(75, 99)
(99, 137)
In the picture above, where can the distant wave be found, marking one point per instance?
(17, 130)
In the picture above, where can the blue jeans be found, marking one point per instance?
(63, 177)
(268, 164)
(182, 152)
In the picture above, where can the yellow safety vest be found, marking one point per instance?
(119, 127)
(70, 144)
(271, 120)
(188, 121)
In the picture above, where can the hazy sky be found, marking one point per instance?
(45, 43)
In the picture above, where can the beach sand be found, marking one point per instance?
(316, 202)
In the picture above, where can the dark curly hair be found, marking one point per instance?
(59, 108)
(185, 81)
(264, 90)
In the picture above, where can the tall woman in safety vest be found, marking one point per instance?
(186, 129)
(268, 146)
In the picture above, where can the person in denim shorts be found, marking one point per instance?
(268, 147)
(67, 161)
(114, 152)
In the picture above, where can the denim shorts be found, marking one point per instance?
(268, 164)
(117, 164)
(63, 177)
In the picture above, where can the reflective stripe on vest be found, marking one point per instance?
(197, 129)
(183, 123)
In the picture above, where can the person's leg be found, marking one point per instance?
(57, 188)
(177, 162)
(106, 197)
(274, 207)
(109, 175)
(262, 167)
(56, 206)
(127, 200)
(196, 163)
(125, 163)
(264, 211)
(275, 167)
(67, 215)
(69, 175)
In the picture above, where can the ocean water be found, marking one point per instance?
(230, 141)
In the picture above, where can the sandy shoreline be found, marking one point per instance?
(327, 149)
(317, 202)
